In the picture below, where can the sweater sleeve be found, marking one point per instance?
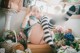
(25, 21)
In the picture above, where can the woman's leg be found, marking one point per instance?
(46, 29)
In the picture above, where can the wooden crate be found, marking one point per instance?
(40, 48)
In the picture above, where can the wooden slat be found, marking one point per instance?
(40, 48)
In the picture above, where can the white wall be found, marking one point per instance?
(16, 20)
(2, 20)
(74, 24)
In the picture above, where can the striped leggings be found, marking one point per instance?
(47, 35)
(72, 10)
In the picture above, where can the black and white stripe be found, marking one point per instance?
(72, 10)
(47, 36)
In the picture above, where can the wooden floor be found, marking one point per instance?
(40, 48)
